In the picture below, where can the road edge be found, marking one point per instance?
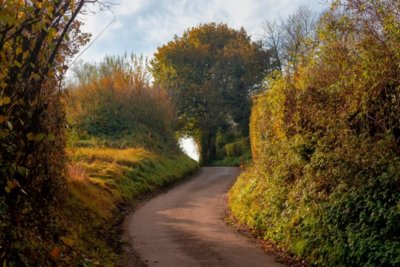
(129, 256)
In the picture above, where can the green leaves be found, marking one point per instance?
(325, 137)
(38, 137)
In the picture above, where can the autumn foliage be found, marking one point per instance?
(210, 72)
(36, 38)
(113, 104)
(325, 135)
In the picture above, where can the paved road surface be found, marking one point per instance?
(185, 228)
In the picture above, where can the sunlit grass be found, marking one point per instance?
(101, 180)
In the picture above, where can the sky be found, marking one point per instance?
(140, 26)
(189, 147)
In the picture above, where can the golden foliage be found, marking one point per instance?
(326, 142)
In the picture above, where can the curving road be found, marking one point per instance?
(185, 226)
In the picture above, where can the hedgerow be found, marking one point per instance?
(325, 181)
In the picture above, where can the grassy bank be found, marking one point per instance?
(101, 183)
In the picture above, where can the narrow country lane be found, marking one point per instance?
(185, 226)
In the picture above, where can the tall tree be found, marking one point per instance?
(291, 38)
(210, 73)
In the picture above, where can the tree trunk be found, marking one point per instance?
(208, 149)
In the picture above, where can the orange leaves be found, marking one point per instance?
(55, 253)
(68, 241)
(11, 185)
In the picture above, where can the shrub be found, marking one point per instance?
(325, 181)
(113, 105)
(36, 38)
(237, 148)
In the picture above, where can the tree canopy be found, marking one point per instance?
(210, 73)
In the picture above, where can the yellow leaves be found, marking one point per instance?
(17, 64)
(68, 241)
(3, 84)
(35, 76)
(5, 101)
(51, 137)
(30, 136)
(51, 74)
(3, 56)
(2, 119)
(52, 33)
(50, 8)
(18, 51)
(11, 185)
(35, 137)
(25, 55)
(39, 137)
(21, 15)
(6, 46)
(38, 4)
(59, 58)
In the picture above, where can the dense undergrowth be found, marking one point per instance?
(325, 181)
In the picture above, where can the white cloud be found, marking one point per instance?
(143, 25)
(128, 7)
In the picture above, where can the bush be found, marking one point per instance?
(325, 181)
(237, 148)
(33, 50)
(113, 105)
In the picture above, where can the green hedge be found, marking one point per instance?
(325, 181)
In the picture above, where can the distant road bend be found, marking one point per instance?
(185, 227)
